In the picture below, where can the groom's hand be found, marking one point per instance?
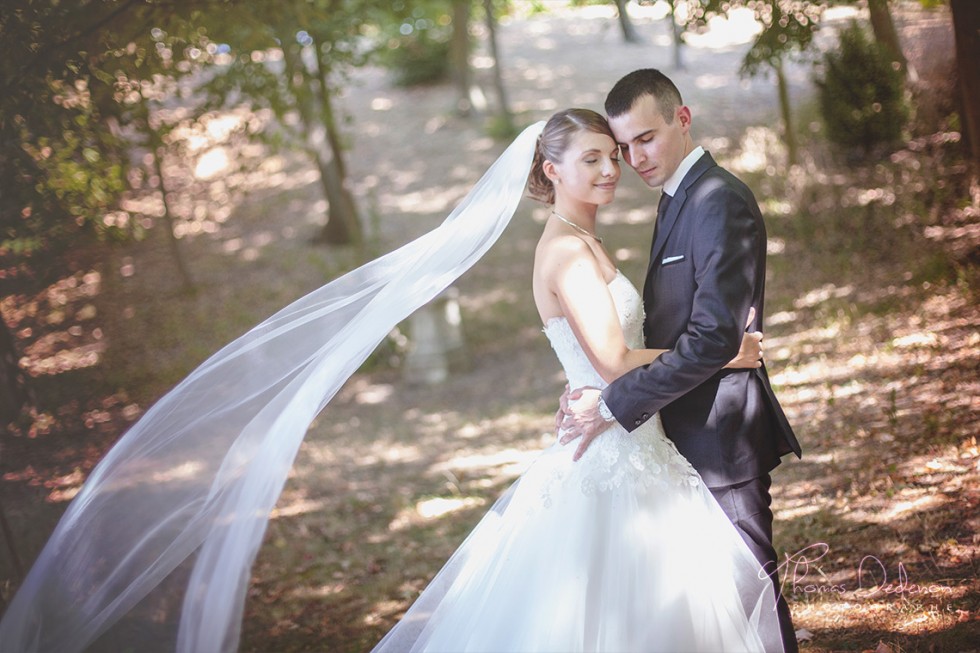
(562, 409)
(582, 420)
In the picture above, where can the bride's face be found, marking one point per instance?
(588, 171)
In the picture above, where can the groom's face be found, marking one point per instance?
(649, 144)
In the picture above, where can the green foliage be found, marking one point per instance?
(788, 28)
(784, 32)
(416, 59)
(503, 128)
(73, 77)
(861, 95)
(89, 88)
(414, 43)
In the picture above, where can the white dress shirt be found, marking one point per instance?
(672, 184)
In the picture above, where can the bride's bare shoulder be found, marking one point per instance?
(555, 251)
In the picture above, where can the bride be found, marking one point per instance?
(623, 550)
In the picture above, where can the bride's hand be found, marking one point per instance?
(750, 352)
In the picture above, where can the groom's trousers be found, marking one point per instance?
(747, 505)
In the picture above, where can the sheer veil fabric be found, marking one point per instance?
(156, 550)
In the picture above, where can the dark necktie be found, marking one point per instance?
(661, 211)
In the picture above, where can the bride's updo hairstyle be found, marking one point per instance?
(553, 142)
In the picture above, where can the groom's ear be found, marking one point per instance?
(684, 115)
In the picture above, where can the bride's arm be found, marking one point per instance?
(578, 283)
(583, 294)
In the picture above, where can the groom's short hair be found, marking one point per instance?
(645, 81)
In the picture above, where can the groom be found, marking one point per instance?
(707, 269)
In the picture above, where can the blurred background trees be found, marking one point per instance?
(132, 131)
(93, 95)
(788, 30)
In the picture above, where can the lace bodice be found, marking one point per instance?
(576, 364)
(645, 456)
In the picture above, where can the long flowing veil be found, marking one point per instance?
(156, 550)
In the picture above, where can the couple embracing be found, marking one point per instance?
(645, 527)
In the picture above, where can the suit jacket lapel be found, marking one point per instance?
(668, 221)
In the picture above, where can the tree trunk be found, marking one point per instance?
(506, 118)
(168, 217)
(629, 31)
(966, 30)
(343, 226)
(8, 537)
(327, 115)
(459, 56)
(886, 35)
(789, 136)
(14, 391)
(675, 33)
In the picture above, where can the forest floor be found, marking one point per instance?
(872, 342)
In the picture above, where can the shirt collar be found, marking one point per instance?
(672, 184)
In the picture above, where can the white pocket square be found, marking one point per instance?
(672, 259)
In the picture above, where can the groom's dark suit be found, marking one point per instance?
(707, 268)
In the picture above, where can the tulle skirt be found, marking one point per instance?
(624, 550)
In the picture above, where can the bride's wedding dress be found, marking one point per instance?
(624, 550)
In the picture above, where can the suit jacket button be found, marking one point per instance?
(645, 416)
(638, 422)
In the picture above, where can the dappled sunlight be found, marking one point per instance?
(506, 462)
(275, 174)
(435, 200)
(775, 246)
(857, 614)
(68, 336)
(797, 509)
(755, 151)
(883, 410)
(181, 472)
(53, 354)
(377, 450)
(434, 508)
(374, 393)
(822, 294)
(212, 164)
(299, 506)
(317, 592)
(437, 507)
(371, 128)
(381, 104)
(739, 28)
(623, 254)
(482, 144)
(637, 216)
(249, 248)
(906, 503)
(709, 81)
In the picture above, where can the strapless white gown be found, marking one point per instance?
(622, 551)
